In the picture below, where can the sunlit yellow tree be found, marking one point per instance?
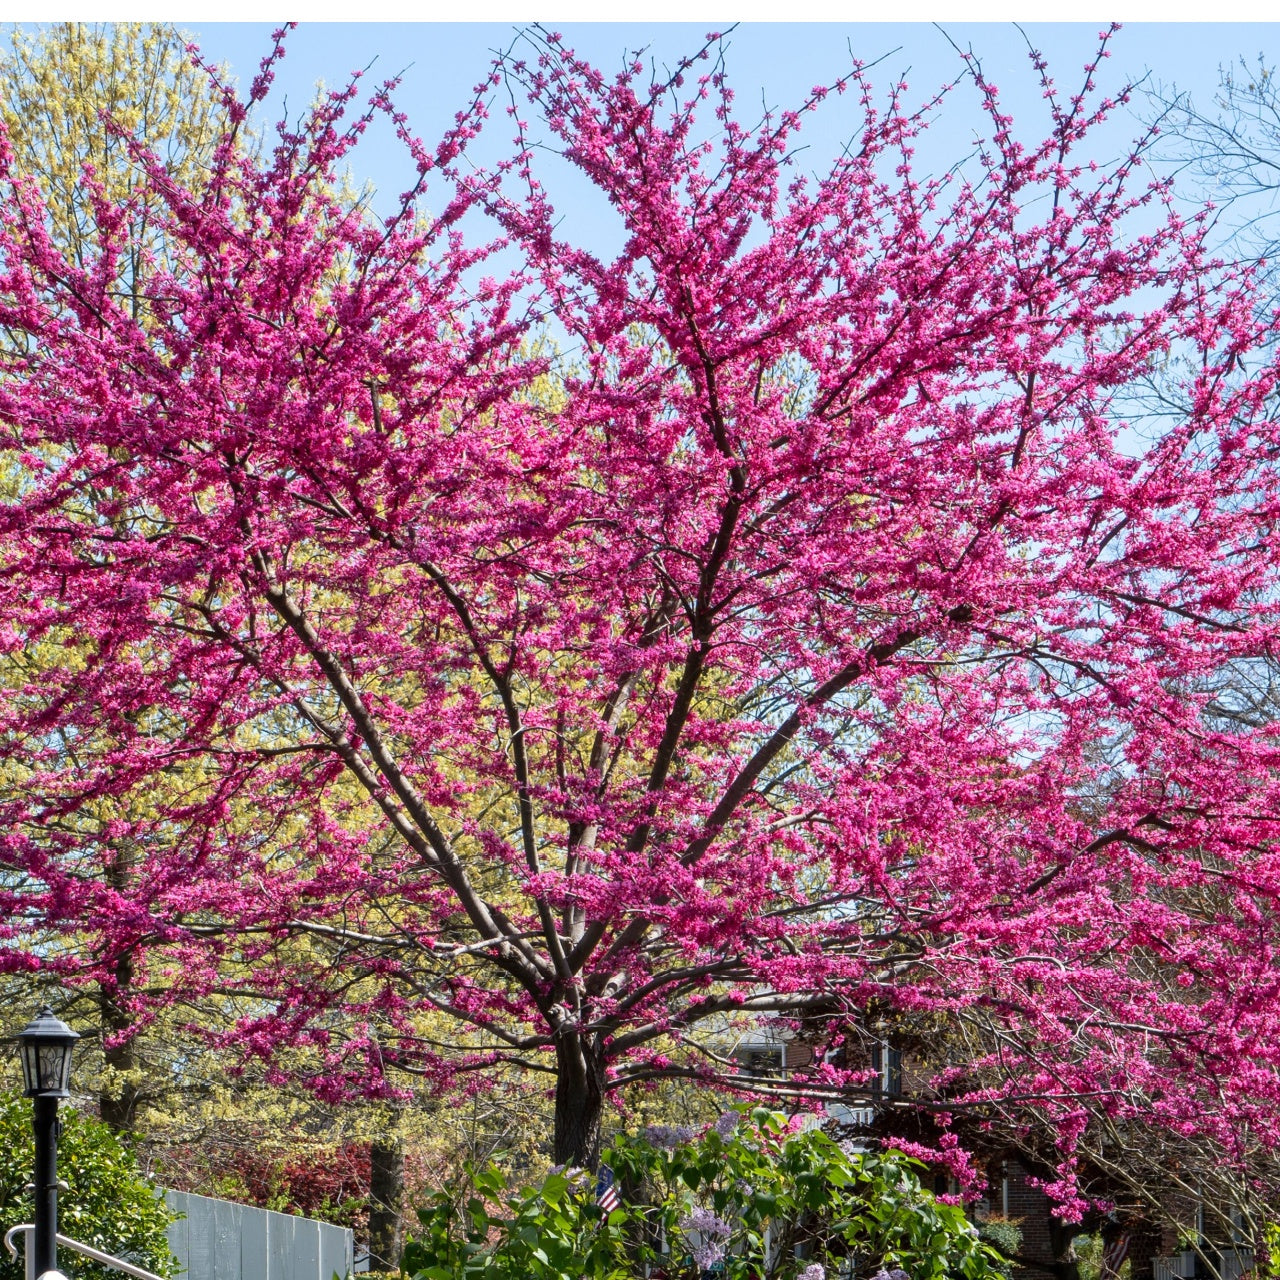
(72, 97)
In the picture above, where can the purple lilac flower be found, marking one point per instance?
(727, 1125)
(706, 1223)
(814, 1271)
(708, 1254)
(666, 1136)
(713, 1233)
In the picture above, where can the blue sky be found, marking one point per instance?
(773, 63)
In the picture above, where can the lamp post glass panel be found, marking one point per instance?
(46, 1043)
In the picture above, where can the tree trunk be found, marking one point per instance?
(579, 1102)
(1066, 1262)
(386, 1198)
(120, 1092)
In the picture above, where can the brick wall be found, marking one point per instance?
(1146, 1243)
(1028, 1206)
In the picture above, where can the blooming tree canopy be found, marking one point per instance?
(832, 626)
(55, 86)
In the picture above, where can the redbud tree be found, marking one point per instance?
(814, 608)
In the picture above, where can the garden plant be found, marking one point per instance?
(751, 1198)
(106, 1202)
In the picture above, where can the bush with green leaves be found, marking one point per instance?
(749, 1199)
(1269, 1254)
(107, 1204)
(1004, 1233)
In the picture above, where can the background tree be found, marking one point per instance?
(70, 96)
(764, 670)
(1229, 149)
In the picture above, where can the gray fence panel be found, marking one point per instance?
(227, 1218)
(178, 1232)
(282, 1252)
(202, 1244)
(336, 1255)
(220, 1240)
(253, 1243)
(307, 1243)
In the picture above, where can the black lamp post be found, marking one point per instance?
(46, 1043)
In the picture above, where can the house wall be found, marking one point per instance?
(1029, 1207)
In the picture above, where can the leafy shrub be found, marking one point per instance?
(748, 1200)
(1004, 1233)
(1269, 1254)
(330, 1183)
(108, 1203)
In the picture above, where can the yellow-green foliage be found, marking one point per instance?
(56, 86)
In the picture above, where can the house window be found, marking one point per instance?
(886, 1062)
(766, 1061)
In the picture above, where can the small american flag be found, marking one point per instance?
(1113, 1256)
(606, 1191)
